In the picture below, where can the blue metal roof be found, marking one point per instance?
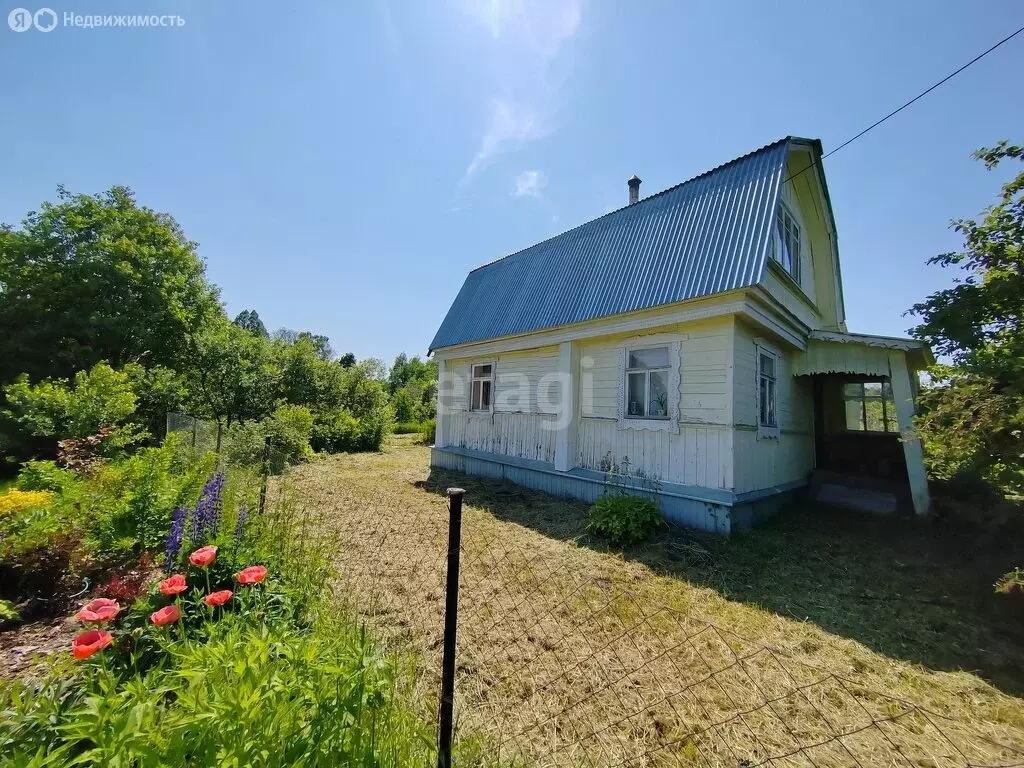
(704, 236)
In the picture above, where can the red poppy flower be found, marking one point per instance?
(218, 598)
(203, 556)
(174, 585)
(87, 643)
(100, 610)
(165, 615)
(254, 574)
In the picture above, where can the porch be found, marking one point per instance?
(867, 454)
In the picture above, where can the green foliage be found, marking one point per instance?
(623, 519)
(335, 431)
(289, 432)
(429, 431)
(412, 385)
(972, 417)
(93, 278)
(971, 430)
(103, 520)
(232, 375)
(249, 319)
(8, 613)
(65, 409)
(289, 429)
(255, 686)
(129, 504)
(404, 406)
(44, 476)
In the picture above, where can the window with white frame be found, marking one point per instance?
(767, 389)
(786, 241)
(870, 407)
(481, 386)
(646, 383)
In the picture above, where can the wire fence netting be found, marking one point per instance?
(559, 664)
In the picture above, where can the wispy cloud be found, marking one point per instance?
(509, 125)
(527, 37)
(529, 184)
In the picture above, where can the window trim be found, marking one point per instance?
(474, 378)
(766, 431)
(667, 368)
(864, 397)
(659, 423)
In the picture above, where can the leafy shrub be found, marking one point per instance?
(99, 521)
(129, 504)
(335, 431)
(289, 431)
(428, 432)
(44, 476)
(624, 519)
(404, 406)
(61, 408)
(408, 427)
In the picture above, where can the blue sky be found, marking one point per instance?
(343, 165)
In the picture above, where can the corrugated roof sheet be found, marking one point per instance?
(704, 236)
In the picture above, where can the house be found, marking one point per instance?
(693, 343)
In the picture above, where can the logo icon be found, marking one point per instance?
(20, 19)
(45, 19)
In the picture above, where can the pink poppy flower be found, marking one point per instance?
(87, 643)
(203, 556)
(165, 615)
(254, 574)
(100, 610)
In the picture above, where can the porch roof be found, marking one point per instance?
(857, 353)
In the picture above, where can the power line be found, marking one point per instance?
(899, 109)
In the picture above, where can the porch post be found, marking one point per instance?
(903, 395)
(565, 437)
(443, 396)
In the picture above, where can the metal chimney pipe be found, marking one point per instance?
(634, 189)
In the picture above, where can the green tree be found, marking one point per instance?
(250, 320)
(347, 360)
(233, 375)
(973, 415)
(98, 277)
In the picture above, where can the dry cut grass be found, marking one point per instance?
(571, 655)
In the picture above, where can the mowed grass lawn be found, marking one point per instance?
(824, 638)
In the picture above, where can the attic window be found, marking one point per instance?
(647, 383)
(786, 241)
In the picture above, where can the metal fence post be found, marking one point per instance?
(451, 620)
(265, 471)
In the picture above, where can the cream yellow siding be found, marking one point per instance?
(524, 381)
(705, 359)
(525, 396)
(764, 462)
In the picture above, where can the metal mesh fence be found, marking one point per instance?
(561, 665)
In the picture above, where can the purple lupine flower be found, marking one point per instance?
(217, 493)
(243, 514)
(208, 513)
(172, 542)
